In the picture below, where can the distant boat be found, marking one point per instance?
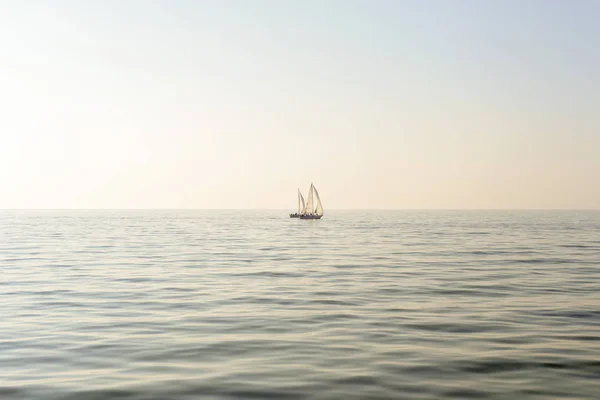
(311, 210)
(300, 208)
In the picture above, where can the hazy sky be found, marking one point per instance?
(236, 104)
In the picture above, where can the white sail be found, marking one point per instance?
(299, 196)
(319, 209)
(301, 209)
(308, 209)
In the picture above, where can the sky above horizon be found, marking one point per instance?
(382, 104)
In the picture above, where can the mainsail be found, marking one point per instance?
(319, 209)
(308, 209)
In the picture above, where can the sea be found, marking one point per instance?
(199, 304)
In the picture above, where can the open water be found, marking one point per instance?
(252, 304)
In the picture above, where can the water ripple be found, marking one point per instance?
(251, 304)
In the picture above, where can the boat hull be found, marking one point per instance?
(310, 216)
(295, 215)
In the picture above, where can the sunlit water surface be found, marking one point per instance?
(252, 304)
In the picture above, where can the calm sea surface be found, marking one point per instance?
(252, 304)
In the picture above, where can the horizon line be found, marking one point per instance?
(286, 209)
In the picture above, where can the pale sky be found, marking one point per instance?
(236, 104)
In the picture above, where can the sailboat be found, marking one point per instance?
(300, 208)
(311, 210)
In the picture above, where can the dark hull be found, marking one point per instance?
(295, 215)
(310, 216)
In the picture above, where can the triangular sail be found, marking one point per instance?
(301, 209)
(319, 209)
(299, 196)
(308, 209)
